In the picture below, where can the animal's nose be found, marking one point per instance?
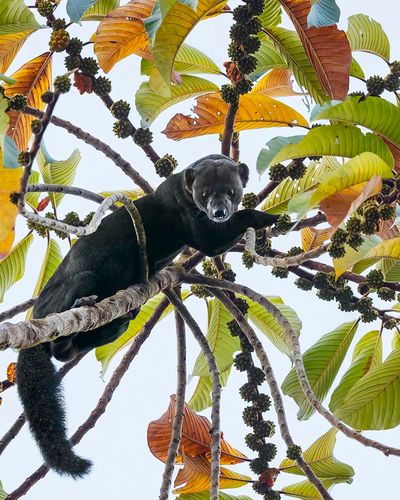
(220, 213)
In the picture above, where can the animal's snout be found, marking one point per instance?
(220, 213)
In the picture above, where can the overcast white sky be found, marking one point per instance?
(123, 466)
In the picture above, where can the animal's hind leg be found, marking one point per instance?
(85, 341)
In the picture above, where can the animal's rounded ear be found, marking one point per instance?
(189, 174)
(243, 173)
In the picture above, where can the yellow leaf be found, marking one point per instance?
(312, 238)
(9, 47)
(9, 182)
(32, 79)
(122, 33)
(276, 83)
(255, 111)
(387, 248)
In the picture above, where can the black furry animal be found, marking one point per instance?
(196, 207)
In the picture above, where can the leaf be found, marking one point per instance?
(291, 49)
(51, 261)
(176, 25)
(106, 353)
(100, 10)
(388, 248)
(188, 60)
(10, 45)
(266, 322)
(277, 201)
(122, 33)
(201, 397)
(367, 35)
(322, 362)
(274, 146)
(367, 113)
(312, 238)
(305, 490)
(195, 440)
(219, 338)
(276, 83)
(322, 461)
(76, 9)
(255, 111)
(352, 257)
(205, 495)
(196, 476)
(323, 13)
(367, 354)
(57, 171)
(15, 17)
(268, 57)
(33, 79)
(390, 269)
(33, 198)
(12, 267)
(372, 401)
(335, 140)
(150, 104)
(327, 48)
(356, 70)
(9, 183)
(3, 494)
(132, 194)
(359, 169)
(272, 14)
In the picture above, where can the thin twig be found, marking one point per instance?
(228, 129)
(103, 402)
(101, 146)
(274, 388)
(216, 390)
(13, 311)
(179, 409)
(302, 376)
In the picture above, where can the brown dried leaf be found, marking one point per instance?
(83, 83)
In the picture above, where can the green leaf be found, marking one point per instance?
(390, 269)
(357, 170)
(372, 402)
(277, 201)
(268, 57)
(367, 113)
(323, 13)
(150, 104)
(132, 194)
(356, 70)
(272, 13)
(274, 146)
(335, 140)
(322, 461)
(266, 323)
(3, 494)
(354, 259)
(105, 353)
(76, 9)
(176, 25)
(7, 79)
(205, 495)
(15, 17)
(322, 362)
(99, 10)
(367, 354)
(305, 490)
(57, 172)
(4, 119)
(367, 35)
(33, 198)
(189, 60)
(201, 397)
(291, 49)
(12, 266)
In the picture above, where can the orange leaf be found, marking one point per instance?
(9, 182)
(327, 48)
(43, 204)
(255, 111)
(276, 83)
(341, 205)
(9, 47)
(312, 238)
(196, 474)
(32, 79)
(122, 33)
(196, 436)
(388, 230)
(11, 372)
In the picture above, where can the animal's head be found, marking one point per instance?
(216, 184)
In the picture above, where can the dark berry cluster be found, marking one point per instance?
(71, 218)
(143, 137)
(391, 82)
(250, 200)
(165, 165)
(263, 244)
(329, 288)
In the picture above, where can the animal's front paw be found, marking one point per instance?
(85, 301)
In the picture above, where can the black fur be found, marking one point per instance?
(196, 207)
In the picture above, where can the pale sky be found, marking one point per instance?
(124, 468)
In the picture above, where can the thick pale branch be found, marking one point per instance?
(216, 390)
(75, 191)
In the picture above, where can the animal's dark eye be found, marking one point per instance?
(230, 192)
(204, 195)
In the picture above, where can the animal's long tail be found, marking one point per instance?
(40, 393)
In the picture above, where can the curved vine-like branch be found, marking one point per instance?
(60, 188)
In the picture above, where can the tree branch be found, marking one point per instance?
(60, 188)
(179, 409)
(13, 311)
(101, 146)
(228, 129)
(216, 390)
